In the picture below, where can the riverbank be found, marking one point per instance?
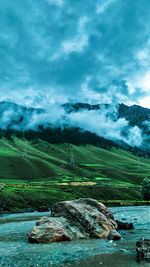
(31, 196)
(109, 203)
(16, 251)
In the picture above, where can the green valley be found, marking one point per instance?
(35, 174)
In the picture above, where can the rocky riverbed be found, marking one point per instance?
(15, 251)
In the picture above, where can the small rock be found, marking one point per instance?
(114, 235)
(124, 225)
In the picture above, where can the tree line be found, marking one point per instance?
(73, 135)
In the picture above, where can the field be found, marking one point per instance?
(39, 174)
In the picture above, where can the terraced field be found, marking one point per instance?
(40, 174)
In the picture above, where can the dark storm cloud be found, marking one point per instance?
(69, 48)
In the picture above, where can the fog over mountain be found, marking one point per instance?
(114, 122)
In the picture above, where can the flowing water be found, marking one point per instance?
(15, 251)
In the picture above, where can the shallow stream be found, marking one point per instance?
(15, 251)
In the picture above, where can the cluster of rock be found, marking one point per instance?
(77, 219)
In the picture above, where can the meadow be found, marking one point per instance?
(39, 174)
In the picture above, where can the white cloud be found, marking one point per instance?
(144, 82)
(143, 54)
(143, 57)
(86, 93)
(134, 137)
(103, 124)
(75, 44)
(101, 8)
(145, 102)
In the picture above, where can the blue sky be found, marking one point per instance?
(75, 50)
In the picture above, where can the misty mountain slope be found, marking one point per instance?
(78, 123)
(135, 114)
(130, 123)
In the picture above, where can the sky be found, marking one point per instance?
(58, 51)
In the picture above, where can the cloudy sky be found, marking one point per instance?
(75, 50)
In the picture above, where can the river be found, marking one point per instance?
(15, 251)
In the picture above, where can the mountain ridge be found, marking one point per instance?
(24, 121)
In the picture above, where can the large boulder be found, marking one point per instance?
(77, 219)
(143, 250)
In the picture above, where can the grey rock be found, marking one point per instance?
(114, 235)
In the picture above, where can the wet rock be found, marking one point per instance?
(143, 250)
(77, 219)
(123, 219)
(124, 225)
(114, 235)
(50, 230)
(43, 220)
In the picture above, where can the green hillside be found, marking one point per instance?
(39, 174)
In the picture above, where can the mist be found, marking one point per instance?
(103, 122)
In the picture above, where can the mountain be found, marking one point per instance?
(119, 125)
(135, 114)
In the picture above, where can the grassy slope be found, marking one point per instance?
(39, 179)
